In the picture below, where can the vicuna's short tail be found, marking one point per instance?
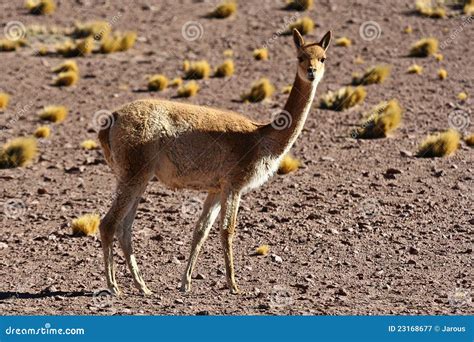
(104, 138)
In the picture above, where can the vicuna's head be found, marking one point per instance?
(311, 57)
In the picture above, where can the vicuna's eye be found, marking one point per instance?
(300, 59)
(322, 60)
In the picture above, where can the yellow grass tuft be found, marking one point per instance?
(89, 144)
(469, 8)
(66, 79)
(110, 44)
(97, 29)
(439, 57)
(442, 74)
(228, 53)
(343, 41)
(224, 10)
(373, 75)
(176, 82)
(299, 5)
(85, 225)
(381, 120)
(189, 89)
(430, 8)
(17, 152)
(262, 250)
(288, 164)
(40, 6)
(359, 60)
(7, 45)
(196, 70)
(157, 83)
(127, 41)
(260, 54)
(286, 89)
(226, 69)
(424, 47)
(74, 49)
(69, 65)
(469, 140)
(408, 29)
(42, 132)
(344, 98)
(260, 90)
(53, 113)
(462, 96)
(304, 25)
(439, 145)
(415, 69)
(4, 99)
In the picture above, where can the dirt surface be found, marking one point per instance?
(352, 237)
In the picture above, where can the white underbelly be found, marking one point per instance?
(263, 171)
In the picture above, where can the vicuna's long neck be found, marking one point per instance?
(280, 135)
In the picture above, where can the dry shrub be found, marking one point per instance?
(157, 83)
(66, 79)
(127, 41)
(224, 10)
(54, 114)
(42, 132)
(424, 47)
(226, 69)
(260, 54)
(286, 89)
(442, 74)
(381, 120)
(89, 144)
(262, 250)
(69, 65)
(439, 145)
(17, 152)
(288, 164)
(228, 53)
(96, 29)
(344, 98)
(462, 96)
(4, 99)
(299, 5)
(430, 8)
(196, 70)
(260, 90)
(343, 41)
(85, 225)
(176, 82)
(110, 44)
(7, 45)
(189, 89)
(304, 25)
(415, 69)
(373, 75)
(408, 29)
(75, 49)
(40, 6)
(439, 57)
(469, 140)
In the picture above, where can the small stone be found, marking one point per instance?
(405, 153)
(342, 292)
(41, 191)
(179, 301)
(200, 276)
(276, 258)
(263, 307)
(412, 250)
(3, 245)
(411, 262)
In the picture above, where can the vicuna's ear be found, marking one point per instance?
(299, 41)
(324, 43)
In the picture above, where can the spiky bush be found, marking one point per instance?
(299, 5)
(442, 74)
(17, 152)
(127, 41)
(286, 89)
(288, 164)
(260, 90)
(40, 6)
(4, 99)
(304, 25)
(226, 69)
(439, 145)
(176, 82)
(89, 144)
(408, 29)
(373, 75)
(415, 69)
(66, 79)
(85, 225)
(260, 54)
(189, 89)
(42, 132)
(381, 120)
(55, 114)
(110, 43)
(468, 7)
(462, 96)
(228, 53)
(69, 65)
(97, 29)
(196, 70)
(344, 98)
(343, 41)
(424, 47)
(262, 250)
(7, 45)
(75, 49)
(224, 10)
(469, 140)
(438, 56)
(157, 83)
(428, 8)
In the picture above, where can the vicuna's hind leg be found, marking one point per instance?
(125, 197)
(209, 214)
(230, 205)
(124, 235)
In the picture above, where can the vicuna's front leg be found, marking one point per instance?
(209, 214)
(230, 206)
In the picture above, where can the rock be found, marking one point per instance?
(202, 313)
(341, 292)
(411, 262)
(41, 191)
(276, 258)
(179, 301)
(3, 245)
(405, 153)
(200, 276)
(263, 307)
(412, 250)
